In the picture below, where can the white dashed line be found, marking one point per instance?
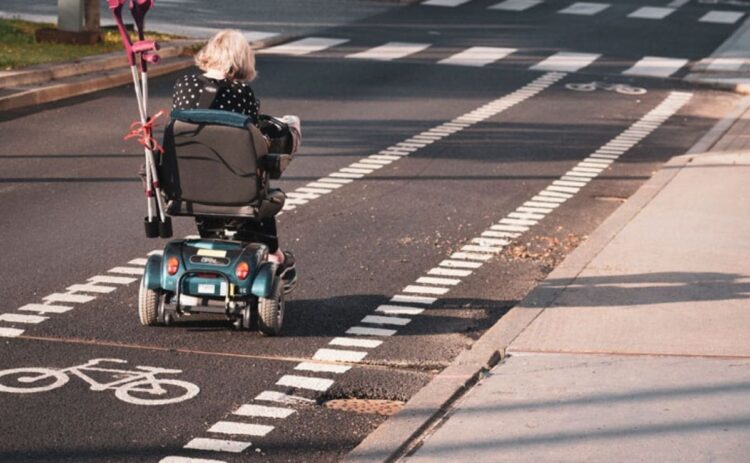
(303, 47)
(390, 51)
(438, 281)
(68, 297)
(112, 280)
(651, 12)
(448, 3)
(322, 367)
(477, 56)
(91, 288)
(126, 270)
(282, 398)
(411, 299)
(263, 411)
(367, 331)
(21, 318)
(566, 62)
(654, 66)
(304, 382)
(217, 445)
(515, 5)
(378, 320)
(355, 342)
(46, 308)
(10, 332)
(722, 17)
(244, 429)
(399, 310)
(425, 290)
(449, 272)
(336, 355)
(585, 8)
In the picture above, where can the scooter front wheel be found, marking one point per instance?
(271, 310)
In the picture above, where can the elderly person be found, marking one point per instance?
(228, 64)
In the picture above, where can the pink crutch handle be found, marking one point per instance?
(143, 46)
(152, 58)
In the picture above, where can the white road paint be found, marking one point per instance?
(337, 355)
(367, 331)
(477, 56)
(390, 51)
(263, 411)
(244, 429)
(322, 367)
(218, 445)
(126, 270)
(438, 281)
(91, 288)
(304, 382)
(449, 272)
(140, 261)
(448, 3)
(726, 64)
(378, 320)
(398, 310)
(107, 279)
(283, 398)
(515, 5)
(722, 17)
(411, 299)
(655, 66)
(188, 460)
(460, 264)
(651, 12)
(566, 62)
(46, 308)
(585, 8)
(21, 318)
(417, 289)
(303, 46)
(356, 342)
(10, 332)
(68, 297)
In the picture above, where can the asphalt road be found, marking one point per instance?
(71, 210)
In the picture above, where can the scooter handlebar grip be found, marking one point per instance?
(152, 58)
(142, 46)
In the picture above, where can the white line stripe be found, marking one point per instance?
(322, 367)
(336, 180)
(390, 51)
(449, 272)
(337, 355)
(529, 208)
(477, 56)
(356, 171)
(515, 5)
(438, 281)
(398, 310)
(366, 331)
(566, 62)
(411, 299)
(505, 227)
(481, 249)
(501, 234)
(304, 382)
(328, 186)
(355, 342)
(585, 8)
(188, 460)
(283, 398)
(651, 12)
(722, 17)
(140, 262)
(245, 429)
(303, 46)
(544, 204)
(654, 66)
(91, 289)
(448, 3)
(459, 264)
(21, 318)
(263, 411)
(471, 256)
(126, 270)
(315, 191)
(10, 332)
(45, 308)
(378, 320)
(217, 445)
(425, 290)
(67, 297)
(112, 280)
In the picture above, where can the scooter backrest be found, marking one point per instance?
(212, 157)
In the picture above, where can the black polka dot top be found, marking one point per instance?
(235, 96)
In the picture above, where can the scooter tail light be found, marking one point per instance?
(242, 270)
(173, 264)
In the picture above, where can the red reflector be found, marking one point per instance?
(173, 264)
(242, 270)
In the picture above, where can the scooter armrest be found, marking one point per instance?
(275, 164)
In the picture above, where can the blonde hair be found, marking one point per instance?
(229, 52)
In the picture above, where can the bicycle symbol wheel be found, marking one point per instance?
(30, 380)
(629, 90)
(587, 87)
(137, 392)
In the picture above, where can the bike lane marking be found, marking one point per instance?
(512, 226)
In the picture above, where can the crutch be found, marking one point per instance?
(146, 51)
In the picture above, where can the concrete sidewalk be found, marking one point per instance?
(643, 352)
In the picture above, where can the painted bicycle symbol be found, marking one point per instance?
(139, 386)
(623, 89)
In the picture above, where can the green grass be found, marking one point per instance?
(19, 48)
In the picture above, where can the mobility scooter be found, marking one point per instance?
(216, 164)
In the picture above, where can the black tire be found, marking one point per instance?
(148, 305)
(271, 310)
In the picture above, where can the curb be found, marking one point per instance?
(404, 431)
(97, 73)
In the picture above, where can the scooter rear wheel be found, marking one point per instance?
(148, 305)
(271, 310)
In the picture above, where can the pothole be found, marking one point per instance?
(365, 406)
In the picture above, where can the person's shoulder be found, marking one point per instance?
(186, 79)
